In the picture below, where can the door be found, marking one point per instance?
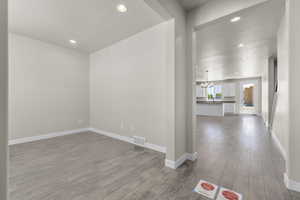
(249, 102)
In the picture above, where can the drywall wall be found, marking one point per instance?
(271, 68)
(281, 117)
(3, 99)
(294, 92)
(170, 83)
(286, 125)
(128, 86)
(265, 92)
(177, 132)
(48, 88)
(179, 15)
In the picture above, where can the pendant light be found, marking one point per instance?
(206, 83)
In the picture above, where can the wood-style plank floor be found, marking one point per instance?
(235, 152)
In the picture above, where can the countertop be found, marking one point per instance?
(215, 101)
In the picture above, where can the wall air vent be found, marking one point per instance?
(139, 140)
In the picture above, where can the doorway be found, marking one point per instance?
(249, 102)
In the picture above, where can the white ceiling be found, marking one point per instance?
(190, 4)
(95, 24)
(217, 43)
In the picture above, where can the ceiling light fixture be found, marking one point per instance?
(241, 45)
(73, 41)
(207, 83)
(122, 8)
(235, 19)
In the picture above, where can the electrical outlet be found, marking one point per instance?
(139, 140)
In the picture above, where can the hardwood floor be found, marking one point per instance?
(237, 152)
(234, 152)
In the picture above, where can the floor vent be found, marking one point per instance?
(139, 140)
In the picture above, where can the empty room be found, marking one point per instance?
(149, 99)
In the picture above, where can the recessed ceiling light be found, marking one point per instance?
(122, 8)
(235, 19)
(73, 41)
(241, 45)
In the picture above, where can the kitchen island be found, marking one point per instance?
(215, 107)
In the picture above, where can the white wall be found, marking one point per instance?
(179, 15)
(48, 88)
(294, 92)
(177, 136)
(3, 99)
(271, 68)
(128, 86)
(281, 116)
(170, 82)
(265, 91)
(286, 123)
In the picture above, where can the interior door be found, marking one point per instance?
(249, 97)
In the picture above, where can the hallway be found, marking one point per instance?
(237, 152)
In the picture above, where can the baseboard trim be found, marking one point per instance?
(170, 164)
(46, 136)
(192, 156)
(291, 184)
(266, 123)
(175, 164)
(279, 145)
(129, 140)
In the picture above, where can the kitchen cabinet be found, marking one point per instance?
(200, 92)
(210, 108)
(229, 90)
(229, 108)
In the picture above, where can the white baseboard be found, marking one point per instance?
(266, 123)
(168, 163)
(279, 145)
(129, 140)
(192, 156)
(46, 136)
(291, 184)
(175, 164)
(70, 132)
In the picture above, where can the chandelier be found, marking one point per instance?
(206, 84)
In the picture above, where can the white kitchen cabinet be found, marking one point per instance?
(210, 109)
(229, 90)
(200, 92)
(229, 108)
